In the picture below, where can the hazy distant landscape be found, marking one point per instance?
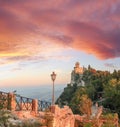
(42, 92)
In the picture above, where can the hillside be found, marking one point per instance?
(93, 85)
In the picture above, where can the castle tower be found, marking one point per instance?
(77, 70)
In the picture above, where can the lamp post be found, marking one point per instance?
(53, 77)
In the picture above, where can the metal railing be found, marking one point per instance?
(23, 103)
(42, 105)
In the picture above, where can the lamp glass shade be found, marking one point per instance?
(53, 76)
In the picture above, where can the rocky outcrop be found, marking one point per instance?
(55, 117)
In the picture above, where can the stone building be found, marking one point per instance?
(77, 74)
(78, 69)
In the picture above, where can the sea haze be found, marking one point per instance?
(42, 92)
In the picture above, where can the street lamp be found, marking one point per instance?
(53, 77)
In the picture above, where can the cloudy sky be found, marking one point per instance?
(41, 36)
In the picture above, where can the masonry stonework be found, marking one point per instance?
(35, 105)
(11, 101)
(63, 117)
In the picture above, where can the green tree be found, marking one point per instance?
(85, 105)
(112, 94)
(76, 99)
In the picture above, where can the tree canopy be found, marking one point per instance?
(99, 85)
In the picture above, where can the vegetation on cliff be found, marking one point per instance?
(100, 86)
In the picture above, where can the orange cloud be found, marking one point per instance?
(27, 29)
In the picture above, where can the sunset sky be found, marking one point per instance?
(41, 36)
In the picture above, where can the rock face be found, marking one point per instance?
(62, 117)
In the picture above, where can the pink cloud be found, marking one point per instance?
(92, 27)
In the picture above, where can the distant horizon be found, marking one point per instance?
(38, 92)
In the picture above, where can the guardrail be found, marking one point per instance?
(16, 102)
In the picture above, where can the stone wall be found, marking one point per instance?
(62, 117)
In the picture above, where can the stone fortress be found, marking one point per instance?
(76, 75)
